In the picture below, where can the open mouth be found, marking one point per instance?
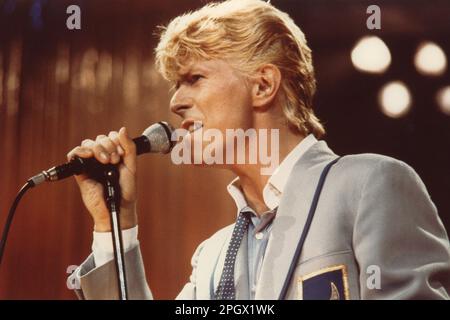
(191, 125)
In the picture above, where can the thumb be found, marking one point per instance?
(129, 158)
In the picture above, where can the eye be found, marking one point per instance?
(194, 78)
(190, 80)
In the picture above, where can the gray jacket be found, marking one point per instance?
(376, 234)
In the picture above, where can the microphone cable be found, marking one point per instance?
(30, 184)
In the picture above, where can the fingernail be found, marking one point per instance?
(120, 150)
(104, 156)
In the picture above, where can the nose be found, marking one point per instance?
(178, 106)
(179, 109)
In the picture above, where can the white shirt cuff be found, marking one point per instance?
(102, 247)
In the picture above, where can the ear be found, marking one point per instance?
(265, 85)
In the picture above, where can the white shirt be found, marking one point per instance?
(102, 248)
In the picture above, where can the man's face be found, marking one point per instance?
(213, 93)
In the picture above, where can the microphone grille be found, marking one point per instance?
(159, 134)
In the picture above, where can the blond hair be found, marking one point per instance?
(248, 33)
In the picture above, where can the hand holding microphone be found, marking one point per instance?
(119, 149)
(112, 149)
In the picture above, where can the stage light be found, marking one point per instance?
(395, 99)
(430, 59)
(443, 100)
(371, 55)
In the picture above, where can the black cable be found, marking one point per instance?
(10, 217)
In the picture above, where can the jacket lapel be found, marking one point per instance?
(210, 260)
(290, 219)
(240, 269)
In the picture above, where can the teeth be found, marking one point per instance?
(195, 126)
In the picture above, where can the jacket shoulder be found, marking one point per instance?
(370, 160)
(373, 165)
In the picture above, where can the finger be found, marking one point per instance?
(111, 148)
(87, 143)
(79, 151)
(98, 150)
(129, 148)
(114, 136)
(99, 137)
(82, 152)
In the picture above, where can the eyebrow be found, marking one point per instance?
(193, 69)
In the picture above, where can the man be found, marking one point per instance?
(320, 227)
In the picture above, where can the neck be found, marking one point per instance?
(252, 181)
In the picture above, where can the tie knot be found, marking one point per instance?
(244, 215)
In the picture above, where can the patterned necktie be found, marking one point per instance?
(226, 290)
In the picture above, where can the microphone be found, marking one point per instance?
(155, 139)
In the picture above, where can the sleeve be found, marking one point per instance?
(100, 283)
(189, 290)
(399, 237)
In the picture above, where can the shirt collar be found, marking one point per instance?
(275, 185)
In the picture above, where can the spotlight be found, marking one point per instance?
(430, 59)
(443, 100)
(394, 99)
(371, 55)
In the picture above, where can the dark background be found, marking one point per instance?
(58, 87)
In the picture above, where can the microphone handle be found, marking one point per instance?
(90, 166)
(143, 145)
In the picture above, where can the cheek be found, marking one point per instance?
(230, 106)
